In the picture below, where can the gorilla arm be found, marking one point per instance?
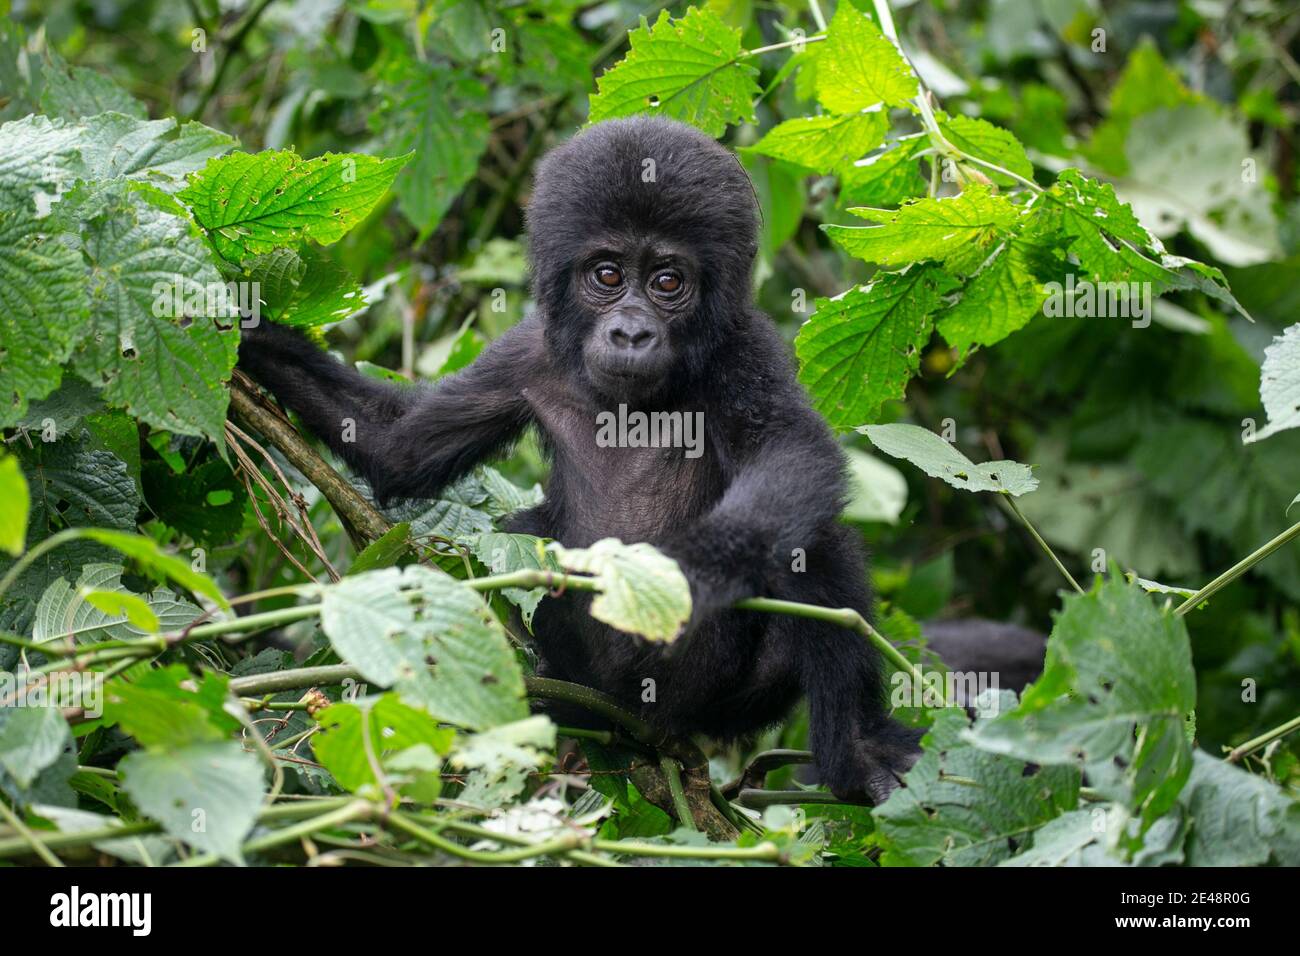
(406, 441)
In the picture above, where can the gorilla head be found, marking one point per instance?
(642, 234)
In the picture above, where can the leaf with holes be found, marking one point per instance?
(689, 69)
(959, 232)
(640, 590)
(824, 143)
(1115, 691)
(1279, 384)
(939, 459)
(860, 349)
(167, 369)
(429, 637)
(254, 203)
(858, 67)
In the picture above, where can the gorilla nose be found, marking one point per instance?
(634, 337)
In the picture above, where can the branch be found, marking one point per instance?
(360, 517)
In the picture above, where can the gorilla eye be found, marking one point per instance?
(667, 282)
(609, 276)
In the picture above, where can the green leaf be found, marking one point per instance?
(429, 637)
(253, 203)
(1279, 384)
(878, 490)
(99, 608)
(990, 143)
(14, 502)
(1147, 84)
(640, 590)
(165, 708)
(71, 484)
(1238, 818)
(393, 727)
(38, 156)
(114, 146)
(439, 116)
(304, 289)
(1003, 296)
(150, 556)
(689, 69)
(1115, 691)
(964, 807)
(31, 739)
(43, 306)
(74, 92)
(167, 369)
(205, 502)
(504, 552)
(857, 67)
(1202, 149)
(385, 551)
(205, 794)
(861, 348)
(882, 181)
(824, 143)
(959, 231)
(939, 459)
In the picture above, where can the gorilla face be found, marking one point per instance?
(642, 234)
(636, 295)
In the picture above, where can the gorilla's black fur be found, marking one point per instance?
(642, 238)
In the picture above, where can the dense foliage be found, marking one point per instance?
(1038, 263)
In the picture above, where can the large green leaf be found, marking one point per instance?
(964, 807)
(825, 143)
(857, 67)
(689, 69)
(253, 203)
(168, 370)
(1238, 818)
(429, 637)
(44, 311)
(31, 739)
(861, 348)
(1115, 691)
(206, 794)
(960, 231)
(440, 117)
(304, 289)
(64, 611)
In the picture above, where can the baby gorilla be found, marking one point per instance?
(642, 235)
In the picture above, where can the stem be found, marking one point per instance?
(765, 851)
(673, 771)
(1238, 569)
(23, 563)
(757, 799)
(1250, 746)
(296, 679)
(559, 845)
(845, 617)
(38, 846)
(783, 45)
(1011, 503)
(350, 812)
